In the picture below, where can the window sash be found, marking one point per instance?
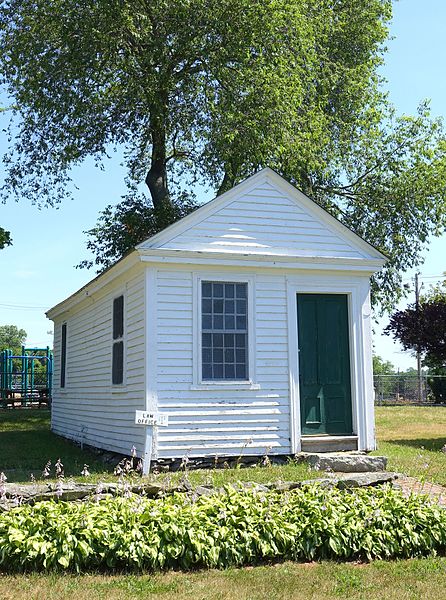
(224, 333)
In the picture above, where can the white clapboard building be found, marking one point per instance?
(245, 324)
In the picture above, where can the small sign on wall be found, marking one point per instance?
(144, 417)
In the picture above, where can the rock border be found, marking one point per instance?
(19, 494)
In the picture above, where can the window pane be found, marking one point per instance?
(217, 340)
(240, 371)
(217, 355)
(241, 307)
(229, 290)
(229, 340)
(240, 355)
(207, 371)
(206, 305)
(240, 340)
(241, 290)
(218, 321)
(229, 355)
(229, 307)
(229, 371)
(207, 322)
(218, 290)
(218, 371)
(206, 340)
(241, 323)
(218, 306)
(206, 289)
(229, 322)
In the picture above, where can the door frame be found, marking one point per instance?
(356, 288)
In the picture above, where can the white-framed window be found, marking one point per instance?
(224, 340)
(224, 331)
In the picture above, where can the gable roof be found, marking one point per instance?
(263, 215)
(262, 218)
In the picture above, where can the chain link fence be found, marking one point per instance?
(409, 389)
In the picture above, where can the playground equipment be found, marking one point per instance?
(26, 378)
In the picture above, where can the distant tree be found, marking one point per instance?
(382, 367)
(11, 337)
(5, 236)
(422, 329)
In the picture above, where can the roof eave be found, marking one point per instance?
(95, 284)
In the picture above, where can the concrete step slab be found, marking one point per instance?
(343, 462)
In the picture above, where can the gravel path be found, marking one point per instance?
(412, 485)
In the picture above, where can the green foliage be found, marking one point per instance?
(233, 528)
(5, 238)
(120, 228)
(382, 367)
(421, 327)
(12, 337)
(214, 90)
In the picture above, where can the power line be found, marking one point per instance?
(21, 306)
(438, 277)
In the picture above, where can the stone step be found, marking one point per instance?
(329, 443)
(344, 462)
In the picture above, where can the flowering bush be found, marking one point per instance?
(231, 528)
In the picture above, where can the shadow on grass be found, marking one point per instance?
(27, 444)
(433, 444)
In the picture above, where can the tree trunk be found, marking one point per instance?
(229, 179)
(156, 181)
(156, 178)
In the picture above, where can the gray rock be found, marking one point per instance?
(204, 490)
(352, 480)
(346, 463)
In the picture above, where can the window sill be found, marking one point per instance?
(232, 385)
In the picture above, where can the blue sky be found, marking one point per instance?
(38, 270)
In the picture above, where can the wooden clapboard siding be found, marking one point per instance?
(220, 422)
(264, 230)
(265, 220)
(90, 409)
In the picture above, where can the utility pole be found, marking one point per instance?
(417, 308)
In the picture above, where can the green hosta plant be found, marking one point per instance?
(232, 528)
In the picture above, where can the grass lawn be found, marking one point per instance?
(414, 579)
(410, 436)
(26, 444)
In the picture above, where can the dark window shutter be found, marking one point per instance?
(118, 363)
(63, 355)
(118, 317)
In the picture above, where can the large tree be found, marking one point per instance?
(214, 90)
(11, 337)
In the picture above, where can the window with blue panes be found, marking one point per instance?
(224, 335)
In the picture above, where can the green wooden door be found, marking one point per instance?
(324, 364)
